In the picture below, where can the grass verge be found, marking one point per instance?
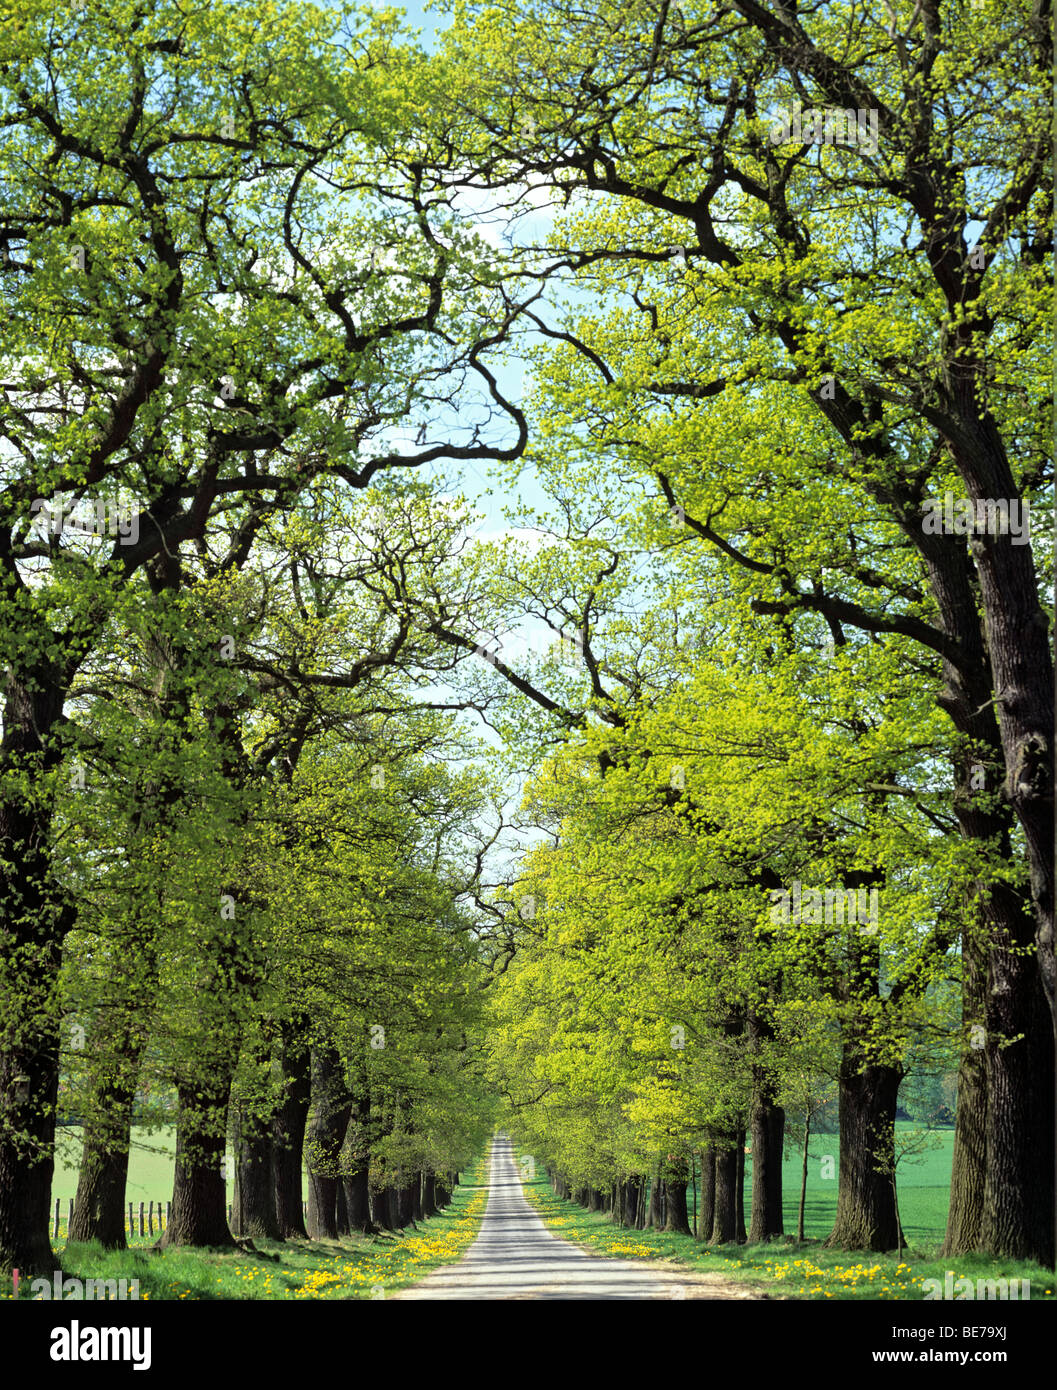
(783, 1268)
(352, 1267)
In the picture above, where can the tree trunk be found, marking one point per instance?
(768, 1146)
(331, 1106)
(656, 1213)
(406, 1203)
(429, 1194)
(199, 1203)
(288, 1132)
(99, 1207)
(739, 1192)
(358, 1199)
(803, 1178)
(1017, 1216)
(34, 919)
(675, 1191)
(969, 1162)
(1018, 1211)
(767, 1127)
(866, 1215)
(725, 1211)
(380, 1209)
(253, 1207)
(707, 1213)
(1021, 669)
(252, 1201)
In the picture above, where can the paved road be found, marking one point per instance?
(515, 1256)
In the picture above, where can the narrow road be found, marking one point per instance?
(515, 1256)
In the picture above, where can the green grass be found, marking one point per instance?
(785, 1269)
(353, 1267)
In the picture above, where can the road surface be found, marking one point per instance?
(515, 1256)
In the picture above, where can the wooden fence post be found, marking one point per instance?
(142, 1219)
(58, 1204)
(150, 1218)
(131, 1221)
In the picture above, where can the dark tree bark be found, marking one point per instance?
(803, 1176)
(416, 1198)
(707, 1213)
(406, 1201)
(968, 1165)
(675, 1192)
(866, 1212)
(739, 1189)
(429, 1194)
(621, 1202)
(288, 1131)
(358, 1200)
(99, 1207)
(656, 1209)
(331, 1106)
(34, 919)
(381, 1209)
(355, 1167)
(1018, 1211)
(725, 1202)
(636, 1196)
(1016, 1217)
(199, 1203)
(767, 1127)
(253, 1206)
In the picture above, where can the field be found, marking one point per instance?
(150, 1165)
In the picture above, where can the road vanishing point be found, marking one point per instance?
(515, 1256)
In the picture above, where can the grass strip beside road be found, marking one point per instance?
(352, 1267)
(783, 1268)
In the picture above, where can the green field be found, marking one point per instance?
(150, 1165)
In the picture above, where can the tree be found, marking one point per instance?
(182, 336)
(880, 291)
